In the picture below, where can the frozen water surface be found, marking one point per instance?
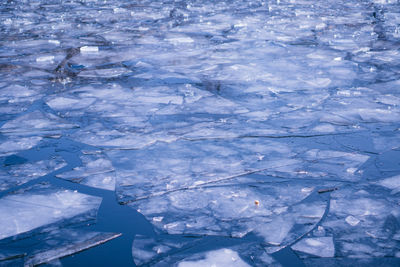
(246, 133)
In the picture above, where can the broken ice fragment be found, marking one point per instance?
(89, 49)
(285, 212)
(13, 145)
(45, 58)
(222, 257)
(41, 205)
(319, 246)
(353, 221)
(97, 171)
(391, 182)
(35, 122)
(60, 243)
(22, 173)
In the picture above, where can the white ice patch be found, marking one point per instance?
(62, 103)
(45, 58)
(11, 146)
(24, 211)
(221, 258)
(391, 183)
(89, 49)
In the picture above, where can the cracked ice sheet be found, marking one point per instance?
(56, 243)
(20, 174)
(285, 211)
(174, 250)
(325, 164)
(35, 123)
(97, 171)
(42, 205)
(187, 164)
(364, 222)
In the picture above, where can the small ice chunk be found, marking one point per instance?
(178, 40)
(45, 58)
(222, 257)
(319, 246)
(391, 183)
(54, 42)
(353, 221)
(89, 49)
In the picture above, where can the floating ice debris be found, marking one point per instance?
(208, 106)
(391, 182)
(285, 215)
(147, 249)
(42, 205)
(97, 171)
(319, 246)
(373, 218)
(20, 174)
(170, 250)
(89, 49)
(60, 243)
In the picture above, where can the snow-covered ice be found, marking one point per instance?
(42, 205)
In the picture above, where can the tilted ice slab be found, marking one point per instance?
(97, 171)
(63, 242)
(51, 244)
(35, 122)
(20, 174)
(42, 205)
(279, 213)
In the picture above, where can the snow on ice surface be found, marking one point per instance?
(42, 205)
(273, 119)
